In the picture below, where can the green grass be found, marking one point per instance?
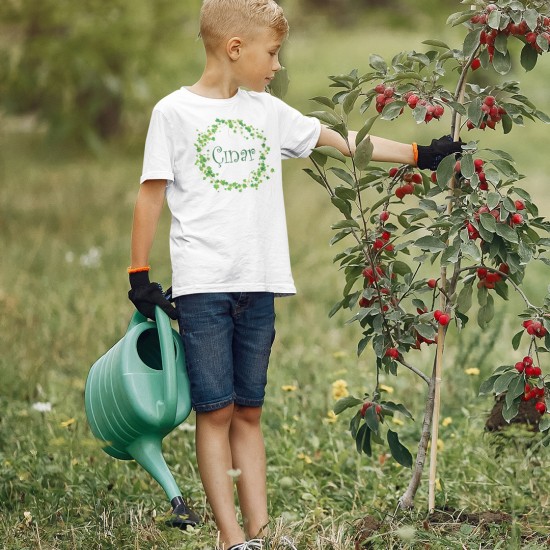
(65, 222)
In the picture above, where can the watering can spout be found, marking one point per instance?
(147, 452)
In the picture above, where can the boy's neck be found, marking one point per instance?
(212, 84)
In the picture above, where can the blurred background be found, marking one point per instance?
(78, 81)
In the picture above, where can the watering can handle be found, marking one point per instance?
(168, 354)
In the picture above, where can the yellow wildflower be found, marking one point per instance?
(331, 417)
(339, 389)
(397, 421)
(387, 389)
(440, 445)
(473, 371)
(446, 421)
(438, 484)
(67, 423)
(289, 388)
(340, 354)
(305, 458)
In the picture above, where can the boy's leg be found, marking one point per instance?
(254, 332)
(248, 452)
(214, 460)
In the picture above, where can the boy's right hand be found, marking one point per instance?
(145, 295)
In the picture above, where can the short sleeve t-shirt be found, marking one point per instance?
(222, 161)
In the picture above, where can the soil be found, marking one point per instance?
(527, 415)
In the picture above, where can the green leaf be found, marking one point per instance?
(471, 250)
(493, 200)
(331, 152)
(344, 207)
(508, 413)
(346, 403)
(488, 222)
(517, 339)
(396, 407)
(528, 58)
(324, 101)
(471, 42)
(346, 193)
(354, 424)
(506, 232)
(474, 111)
(344, 175)
(365, 130)
(342, 224)
(401, 268)
(392, 110)
(488, 385)
(362, 442)
(399, 452)
(506, 168)
(503, 381)
(502, 63)
(279, 85)
(378, 63)
(501, 42)
(328, 118)
(486, 312)
(450, 254)
(363, 154)
(515, 389)
(464, 300)
(335, 308)
(350, 100)
(467, 166)
(445, 171)
(431, 244)
(436, 43)
(371, 418)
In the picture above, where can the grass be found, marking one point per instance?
(65, 219)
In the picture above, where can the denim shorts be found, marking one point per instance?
(227, 339)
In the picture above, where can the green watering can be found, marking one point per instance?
(136, 394)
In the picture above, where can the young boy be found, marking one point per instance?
(214, 150)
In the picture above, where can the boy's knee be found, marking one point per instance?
(219, 417)
(249, 415)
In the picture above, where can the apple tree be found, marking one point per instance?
(431, 245)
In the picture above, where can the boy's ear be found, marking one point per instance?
(233, 47)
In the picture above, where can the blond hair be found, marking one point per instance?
(223, 19)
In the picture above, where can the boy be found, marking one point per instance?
(214, 150)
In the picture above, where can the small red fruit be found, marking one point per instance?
(504, 268)
(482, 272)
(520, 205)
(537, 371)
(478, 164)
(516, 219)
(379, 89)
(392, 172)
(416, 178)
(437, 314)
(541, 407)
(392, 352)
(529, 371)
(476, 64)
(438, 111)
(400, 192)
(367, 405)
(489, 101)
(444, 319)
(519, 366)
(432, 283)
(384, 216)
(531, 37)
(527, 361)
(412, 101)
(433, 177)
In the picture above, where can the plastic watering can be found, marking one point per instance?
(136, 394)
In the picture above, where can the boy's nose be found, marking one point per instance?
(276, 66)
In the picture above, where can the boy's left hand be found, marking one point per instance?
(429, 156)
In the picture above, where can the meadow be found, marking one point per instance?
(65, 218)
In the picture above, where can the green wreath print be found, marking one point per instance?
(210, 159)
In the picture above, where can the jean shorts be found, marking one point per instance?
(227, 339)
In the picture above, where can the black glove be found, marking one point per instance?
(429, 156)
(146, 295)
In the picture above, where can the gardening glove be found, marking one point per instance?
(429, 156)
(145, 295)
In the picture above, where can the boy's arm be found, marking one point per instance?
(144, 294)
(148, 208)
(386, 150)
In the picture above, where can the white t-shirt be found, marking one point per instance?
(222, 162)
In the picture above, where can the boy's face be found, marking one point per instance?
(259, 59)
